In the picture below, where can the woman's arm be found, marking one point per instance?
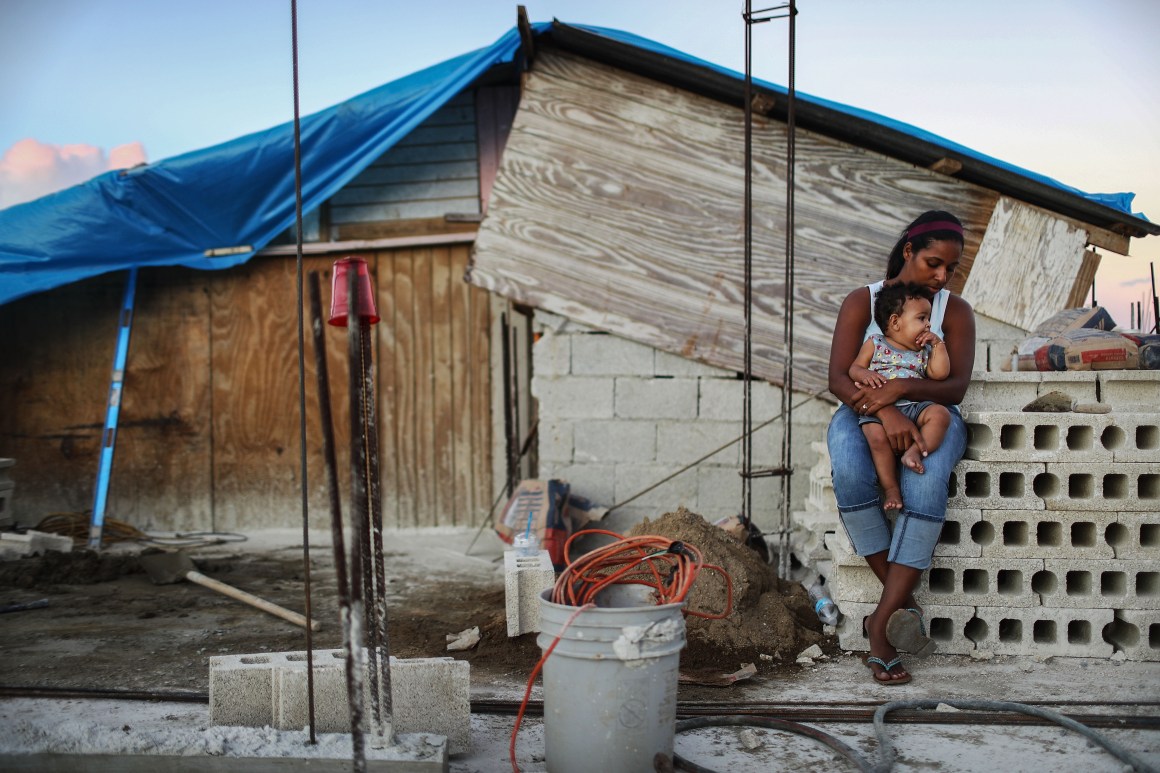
(849, 330)
(959, 335)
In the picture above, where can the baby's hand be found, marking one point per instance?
(864, 377)
(928, 339)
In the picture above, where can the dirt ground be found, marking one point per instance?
(107, 627)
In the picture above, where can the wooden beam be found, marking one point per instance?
(1084, 279)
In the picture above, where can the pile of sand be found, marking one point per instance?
(770, 617)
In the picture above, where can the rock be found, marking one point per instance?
(945, 707)
(982, 655)
(810, 652)
(749, 739)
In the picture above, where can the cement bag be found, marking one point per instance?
(1149, 350)
(1035, 351)
(548, 511)
(1086, 349)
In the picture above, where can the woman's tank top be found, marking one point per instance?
(938, 308)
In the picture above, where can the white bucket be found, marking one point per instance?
(610, 685)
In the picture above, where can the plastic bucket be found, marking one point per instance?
(610, 685)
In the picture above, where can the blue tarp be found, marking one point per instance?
(240, 194)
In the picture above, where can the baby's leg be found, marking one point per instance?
(884, 465)
(932, 425)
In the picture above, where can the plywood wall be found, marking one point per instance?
(619, 204)
(209, 424)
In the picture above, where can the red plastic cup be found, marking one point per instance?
(339, 293)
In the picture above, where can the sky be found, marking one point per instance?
(1064, 88)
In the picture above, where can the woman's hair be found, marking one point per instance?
(891, 299)
(945, 227)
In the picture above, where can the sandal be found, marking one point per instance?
(906, 630)
(869, 660)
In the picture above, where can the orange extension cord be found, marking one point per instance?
(667, 566)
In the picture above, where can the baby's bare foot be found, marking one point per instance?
(912, 458)
(892, 499)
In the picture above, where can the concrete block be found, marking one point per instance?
(433, 695)
(552, 354)
(1112, 584)
(945, 625)
(842, 551)
(1130, 391)
(1135, 437)
(958, 532)
(619, 440)
(995, 485)
(574, 397)
(1045, 534)
(682, 442)
(609, 355)
(633, 479)
(1000, 391)
(290, 701)
(719, 492)
(525, 578)
(1041, 437)
(656, 398)
(241, 689)
(1043, 631)
(722, 399)
(1114, 487)
(554, 439)
(666, 364)
(1135, 535)
(1136, 633)
(821, 496)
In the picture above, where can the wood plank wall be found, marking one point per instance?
(431, 172)
(208, 437)
(619, 204)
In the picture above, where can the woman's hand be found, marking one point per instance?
(900, 431)
(867, 401)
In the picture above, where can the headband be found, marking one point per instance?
(937, 225)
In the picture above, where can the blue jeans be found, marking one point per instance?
(924, 497)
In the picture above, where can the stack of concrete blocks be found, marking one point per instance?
(617, 417)
(524, 579)
(428, 695)
(813, 525)
(1052, 539)
(7, 519)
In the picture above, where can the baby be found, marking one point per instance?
(906, 349)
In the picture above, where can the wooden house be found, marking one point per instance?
(595, 181)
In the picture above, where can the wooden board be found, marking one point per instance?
(56, 358)
(619, 204)
(1026, 266)
(162, 464)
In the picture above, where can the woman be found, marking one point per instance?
(927, 254)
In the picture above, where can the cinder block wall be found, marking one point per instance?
(1052, 539)
(617, 417)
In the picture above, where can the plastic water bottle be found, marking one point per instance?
(824, 605)
(526, 544)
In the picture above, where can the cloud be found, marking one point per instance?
(31, 169)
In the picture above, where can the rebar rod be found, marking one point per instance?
(356, 659)
(380, 648)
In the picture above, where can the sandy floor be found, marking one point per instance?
(126, 633)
